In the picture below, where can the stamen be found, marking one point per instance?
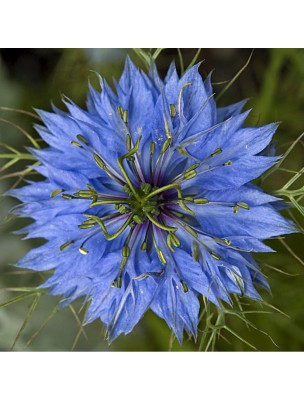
(99, 161)
(190, 175)
(87, 224)
(67, 196)
(120, 111)
(76, 144)
(235, 209)
(243, 205)
(192, 232)
(165, 147)
(125, 116)
(201, 200)
(196, 252)
(102, 165)
(119, 161)
(158, 251)
(179, 100)
(172, 110)
(56, 192)
(184, 286)
(125, 255)
(172, 240)
(190, 172)
(215, 256)
(128, 142)
(83, 251)
(143, 246)
(66, 245)
(82, 139)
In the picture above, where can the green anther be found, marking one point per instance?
(119, 282)
(76, 144)
(228, 163)
(128, 142)
(83, 251)
(145, 187)
(196, 252)
(152, 148)
(66, 245)
(192, 167)
(125, 115)
(161, 257)
(126, 251)
(82, 139)
(169, 243)
(243, 205)
(56, 192)
(235, 209)
(184, 286)
(189, 199)
(227, 242)
(99, 161)
(201, 200)
(166, 145)
(191, 231)
(138, 219)
(172, 110)
(174, 239)
(216, 151)
(143, 246)
(67, 196)
(215, 256)
(183, 151)
(190, 175)
(178, 214)
(87, 225)
(86, 194)
(120, 111)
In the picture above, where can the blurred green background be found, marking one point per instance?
(274, 82)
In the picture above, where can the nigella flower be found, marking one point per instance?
(146, 201)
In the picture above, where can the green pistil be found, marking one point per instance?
(103, 228)
(176, 187)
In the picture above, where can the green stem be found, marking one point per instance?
(20, 156)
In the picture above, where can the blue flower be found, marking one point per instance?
(146, 201)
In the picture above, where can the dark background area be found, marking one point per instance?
(274, 83)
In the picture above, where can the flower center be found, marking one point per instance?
(141, 205)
